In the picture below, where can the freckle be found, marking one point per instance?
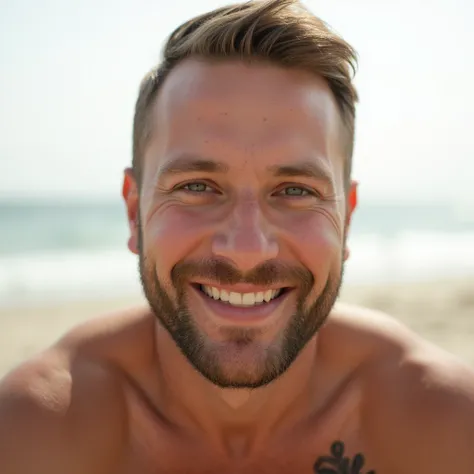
(265, 119)
(198, 119)
(224, 114)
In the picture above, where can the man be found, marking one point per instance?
(239, 202)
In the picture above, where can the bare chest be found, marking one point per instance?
(153, 449)
(336, 458)
(331, 444)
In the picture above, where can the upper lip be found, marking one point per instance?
(242, 287)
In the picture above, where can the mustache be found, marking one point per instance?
(271, 272)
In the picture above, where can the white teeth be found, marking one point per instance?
(224, 296)
(240, 299)
(267, 296)
(248, 299)
(235, 298)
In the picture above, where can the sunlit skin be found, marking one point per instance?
(250, 175)
(242, 190)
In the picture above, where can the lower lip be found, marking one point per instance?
(242, 315)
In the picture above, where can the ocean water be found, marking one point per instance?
(51, 251)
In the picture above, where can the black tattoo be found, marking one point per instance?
(337, 463)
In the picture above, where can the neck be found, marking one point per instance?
(234, 416)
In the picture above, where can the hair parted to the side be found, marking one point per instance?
(281, 32)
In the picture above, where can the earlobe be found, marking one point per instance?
(132, 244)
(351, 202)
(130, 196)
(351, 206)
(353, 196)
(346, 253)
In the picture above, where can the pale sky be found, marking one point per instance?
(70, 71)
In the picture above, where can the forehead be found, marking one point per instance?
(241, 105)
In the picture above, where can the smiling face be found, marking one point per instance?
(243, 216)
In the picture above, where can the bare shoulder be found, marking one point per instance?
(418, 409)
(419, 413)
(65, 407)
(361, 334)
(368, 323)
(418, 403)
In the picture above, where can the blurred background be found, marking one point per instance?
(70, 72)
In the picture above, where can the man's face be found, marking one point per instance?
(243, 216)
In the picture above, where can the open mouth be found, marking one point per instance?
(242, 299)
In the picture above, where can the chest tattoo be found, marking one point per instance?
(337, 463)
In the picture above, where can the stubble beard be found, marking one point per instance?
(206, 356)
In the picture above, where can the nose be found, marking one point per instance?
(245, 237)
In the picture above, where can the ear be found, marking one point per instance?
(131, 198)
(351, 205)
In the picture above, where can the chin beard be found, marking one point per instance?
(241, 362)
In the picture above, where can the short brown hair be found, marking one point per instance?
(281, 32)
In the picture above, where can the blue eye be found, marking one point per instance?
(295, 191)
(197, 187)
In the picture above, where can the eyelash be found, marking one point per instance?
(183, 187)
(307, 192)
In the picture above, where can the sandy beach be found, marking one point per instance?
(441, 311)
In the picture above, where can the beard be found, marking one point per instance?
(209, 358)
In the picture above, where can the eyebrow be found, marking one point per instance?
(190, 164)
(303, 170)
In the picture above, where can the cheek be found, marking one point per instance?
(173, 233)
(318, 240)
